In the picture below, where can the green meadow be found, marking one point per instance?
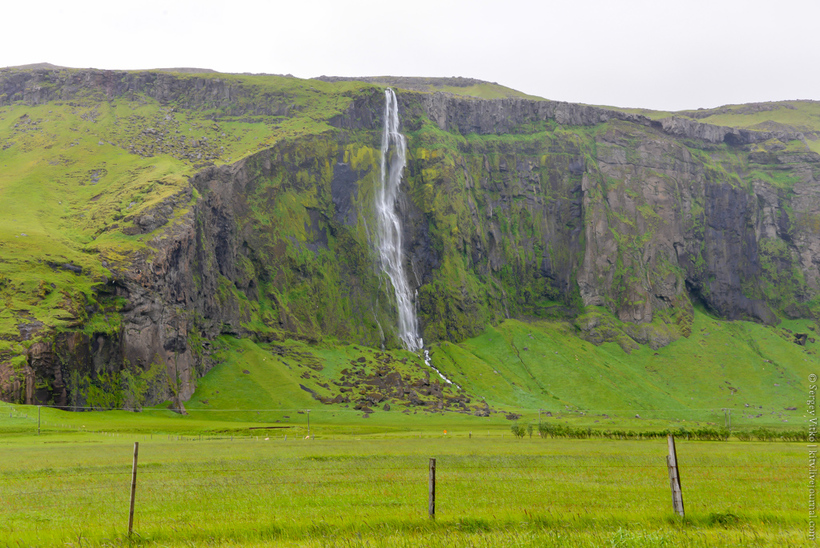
(72, 489)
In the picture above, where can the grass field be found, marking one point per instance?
(73, 489)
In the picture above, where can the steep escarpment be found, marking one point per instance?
(658, 215)
(552, 221)
(616, 215)
(512, 115)
(255, 219)
(227, 96)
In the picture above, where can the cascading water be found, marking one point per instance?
(389, 236)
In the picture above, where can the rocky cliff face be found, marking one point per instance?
(233, 98)
(512, 208)
(640, 217)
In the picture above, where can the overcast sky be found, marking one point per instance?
(668, 55)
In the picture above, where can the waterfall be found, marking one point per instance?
(389, 237)
(388, 232)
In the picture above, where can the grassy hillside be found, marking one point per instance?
(754, 370)
(757, 372)
(75, 175)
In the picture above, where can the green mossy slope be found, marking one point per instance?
(519, 368)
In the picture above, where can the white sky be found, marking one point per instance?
(662, 54)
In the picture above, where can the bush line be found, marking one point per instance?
(549, 430)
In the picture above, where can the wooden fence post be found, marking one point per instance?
(674, 477)
(133, 488)
(431, 501)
